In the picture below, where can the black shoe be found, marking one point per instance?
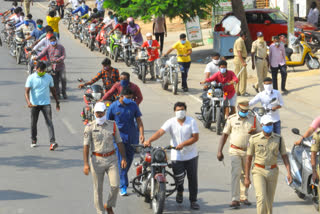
(194, 206)
(152, 79)
(185, 89)
(179, 197)
(59, 97)
(285, 91)
(65, 96)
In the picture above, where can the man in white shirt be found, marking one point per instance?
(45, 42)
(75, 4)
(266, 98)
(213, 66)
(313, 15)
(184, 134)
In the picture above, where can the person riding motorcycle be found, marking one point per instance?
(26, 28)
(312, 128)
(84, 9)
(152, 47)
(94, 16)
(134, 31)
(108, 74)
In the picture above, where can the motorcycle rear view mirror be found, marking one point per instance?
(295, 131)
(80, 80)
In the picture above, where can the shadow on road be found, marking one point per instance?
(6, 195)
(304, 87)
(8, 82)
(6, 130)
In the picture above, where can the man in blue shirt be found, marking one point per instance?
(99, 6)
(37, 94)
(30, 20)
(84, 9)
(124, 112)
(36, 33)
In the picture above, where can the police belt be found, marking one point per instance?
(266, 167)
(236, 147)
(105, 154)
(260, 58)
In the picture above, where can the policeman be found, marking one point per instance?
(265, 148)
(240, 55)
(315, 147)
(260, 61)
(239, 126)
(98, 136)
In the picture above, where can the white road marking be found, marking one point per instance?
(40, 5)
(195, 98)
(69, 126)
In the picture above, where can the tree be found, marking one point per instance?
(145, 9)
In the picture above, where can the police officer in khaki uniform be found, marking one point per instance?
(99, 136)
(315, 147)
(259, 58)
(265, 148)
(240, 127)
(240, 55)
(27, 6)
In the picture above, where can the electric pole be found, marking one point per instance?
(291, 23)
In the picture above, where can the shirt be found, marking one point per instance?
(60, 2)
(315, 143)
(124, 116)
(152, 53)
(132, 30)
(108, 78)
(264, 150)
(26, 29)
(182, 50)
(53, 54)
(239, 45)
(75, 3)
(315, 123)
(159, 24)
(36, 33)
(260, 49)
(30, 22)
(117, 88)
(39, 88)
(212, 68)
(100, 5)
(228, 90)
(83, 10)
(239, 129)
(265, 99)
(179, 134)
(54, 23)
(313, 16)
(277, 55)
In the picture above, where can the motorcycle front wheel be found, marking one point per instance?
(159, 197)
(92, 45)
(164, 83)
(220, 120)
(175, 83)
(207, 121)
(116, 54)
(312, 62)
(143, 73)
(18, 55)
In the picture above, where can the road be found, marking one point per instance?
(35, 181)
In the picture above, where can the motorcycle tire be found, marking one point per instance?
(126, 58)
(300, 195)
(164, 83)
(81, 40)
(30, 69)
(159, 198)
(207, 121)
(143, 73)
(219, 121)
(175, 83)
(92, 45)
(312, 63)
(0, 42)
(18, 56)
(116, 54)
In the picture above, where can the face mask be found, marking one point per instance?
(223, 70)
(41, 74)
(111, 17)
(267, 129)
(53, 43)
(261, 39)
(106, 68)
(131, 24)
(183, 42)
(26, 23)
(215, 61)
(83, 4)
(126, 100)
(242, 114)
(180, 114)
(49, 35)
(39, 26)
(124, 83)
(100, 120)
(268, 88)
(277, 44)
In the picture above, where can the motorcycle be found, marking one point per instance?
(31, 64)
(19, 46)
(93, 31)
(169, 74)
(67, 20)
(142, 64)
(301, 170)
(75, 26)
(115, 48)
(52, 5)
(126, 49)
(152, 178)
(259, 112)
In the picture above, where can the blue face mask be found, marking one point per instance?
(26, 23)
(267, 129)
(53, 43)
(126, 100)
(183, 42)
(124, 83)
(223, 70)
(242, 114)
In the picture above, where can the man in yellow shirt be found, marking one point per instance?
(184, 51)
(53, 22)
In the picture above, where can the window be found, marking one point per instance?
(278, 17)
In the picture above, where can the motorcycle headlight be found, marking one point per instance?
(96, 96)
(210, 93)
(160, 156)
(217, 92)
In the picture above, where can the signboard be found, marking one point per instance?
(193, 29)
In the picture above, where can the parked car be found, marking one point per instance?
(271, 22)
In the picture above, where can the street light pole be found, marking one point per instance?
(290, 22)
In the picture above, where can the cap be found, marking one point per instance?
(100, 107)
(259, 34)
(243, 103)
(266, 119)
(148, 34)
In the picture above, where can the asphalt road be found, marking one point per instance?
(34, 181)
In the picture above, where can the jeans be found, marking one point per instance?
(277, 127)
(283, 71)
(160, 36)
(60, 11)
(151, 67)
(60, 76)
(46, 111)
(189, 167)
(185, 66)
(124, 172)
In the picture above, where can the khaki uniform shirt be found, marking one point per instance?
(260, 49)
(238, 130)
(315, 147)
(264, 150)
(100, 138)
(239, 45)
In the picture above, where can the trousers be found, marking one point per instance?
(262, 72)
(160, 37)
(238, 190)
(185, 66)
(241, 87)
(60, 76)
(26, 4)
(283, 72)
(60, 10)
(189, 167)
(47, 113)
(99, 167)
(124, 182)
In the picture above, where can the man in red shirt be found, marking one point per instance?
(228, 78)
(60, 8)
(124, 82)
(152, 48)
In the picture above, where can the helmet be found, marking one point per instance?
(130, 19)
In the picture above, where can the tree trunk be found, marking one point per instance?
(238, 11)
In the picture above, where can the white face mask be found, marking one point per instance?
(100, 120)
(215, 61)
(223, 70)
(180, 114)
(268, 88)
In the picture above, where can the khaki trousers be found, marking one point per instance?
(26, 7)
(241, 87)
(100, 166)
(238, 190)
(262, 72)
(265, 183)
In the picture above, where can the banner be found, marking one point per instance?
(193, 29)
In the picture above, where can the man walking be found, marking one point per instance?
(265, 147)
(240, 127)
(56, 55)
(184, 51)
(240, 64)
(184, 135)
(259, 58)
(313, 15)
(125, 112)
(99, 136)
(277, 59)
(27, 5)
(160, 30)
(37, 94)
